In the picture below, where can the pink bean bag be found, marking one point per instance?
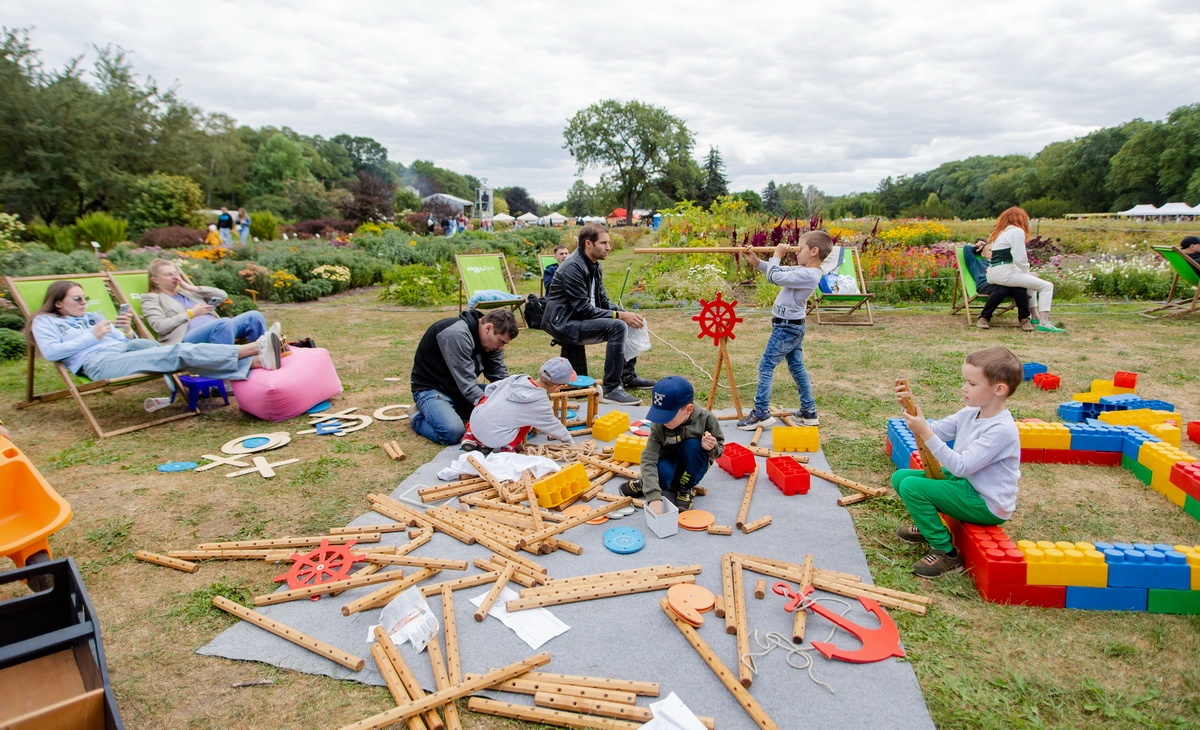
(304, 379)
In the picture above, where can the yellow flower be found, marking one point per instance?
(412, 243)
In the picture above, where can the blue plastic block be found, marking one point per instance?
(1121, 401)
(1107, 599)
(1134, 438)
(1158, 405)
(1033, 368)
(1070, 412)
(1141, 566)
(1096, 438)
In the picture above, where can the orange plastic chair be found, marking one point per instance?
(30, 509)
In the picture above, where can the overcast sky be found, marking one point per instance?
(833, 94)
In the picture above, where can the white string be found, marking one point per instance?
(774, 640)
(655, 335)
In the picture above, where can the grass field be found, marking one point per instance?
(979, 664)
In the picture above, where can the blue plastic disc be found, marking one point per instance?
(623, 540)
(572, 413)
(322, 406)
(254, 443)
(178, 466)
(582, 381)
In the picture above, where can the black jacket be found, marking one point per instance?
(576, 294)
(450, 358)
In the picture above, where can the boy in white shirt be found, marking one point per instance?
(979, 483)
(787, 326)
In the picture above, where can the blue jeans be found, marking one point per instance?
(244, 233)
(247, 326)
(682, 466)
(786, 341)
(226, 236)
(219, 362)
(436, 418)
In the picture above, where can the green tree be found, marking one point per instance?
(584, 199)
(406, 200)
(277, 161)
(772, 201)
(164, 200)
(429, 179)
(1133, 176)
(715, 183)
(367, 154)
(752, 199)
(791, 196)
(634, 142)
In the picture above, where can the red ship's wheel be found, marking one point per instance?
(717, 319)
(324, 564)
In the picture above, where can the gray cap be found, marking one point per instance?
(558, 370)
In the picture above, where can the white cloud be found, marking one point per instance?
(837, 95)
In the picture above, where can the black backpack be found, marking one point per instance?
(535, 307)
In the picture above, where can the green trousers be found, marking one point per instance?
(954, 496)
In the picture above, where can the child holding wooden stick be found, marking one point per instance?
(684, 441)
(512, 407)
(981, 471)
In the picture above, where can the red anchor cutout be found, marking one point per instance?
(877, 644)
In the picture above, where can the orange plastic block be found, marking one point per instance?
(1055, 566)
(1044, 435)
(30, 509)
(1168, 432)
(610, 425)
(554, 489)
(795, 438)
(629, 448)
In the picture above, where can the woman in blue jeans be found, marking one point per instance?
(178, 311)
(86, 343)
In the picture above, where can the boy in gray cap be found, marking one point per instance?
(511, 407)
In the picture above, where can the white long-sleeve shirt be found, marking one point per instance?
(1012, 238)
(798, 283)
(987, 453)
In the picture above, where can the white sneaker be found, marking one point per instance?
(277, 330)
(270, 351)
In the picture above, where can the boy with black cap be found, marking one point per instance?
(685, 440)
(511, 407)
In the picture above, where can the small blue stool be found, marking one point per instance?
(198, 387)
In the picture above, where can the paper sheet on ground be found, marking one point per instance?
(535, 626)
(504, 466)
(672, 714)
(408, 617)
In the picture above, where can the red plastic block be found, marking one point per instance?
(1186, 476)
(1125, 380)
(1047, 381)
(738, 460)
(788, 474)
(1044, 596)
(914, 460)
(1082, 456)
(1033, 456)
(1193, 431)
(887, 447)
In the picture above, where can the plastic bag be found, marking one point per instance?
(637, 341)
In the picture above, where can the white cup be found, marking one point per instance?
(153, 404)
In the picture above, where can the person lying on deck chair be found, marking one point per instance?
(181, 312)
(64, 331)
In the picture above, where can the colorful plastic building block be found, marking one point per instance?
(1033, 368)
(1168, 432)
(629, 448)
(1123, 379)
(1144, 566)
(737, 460)
(788, 474)
(610, 425)
(1071, 412)
(1055, 566)
(1044, 435)
(1107, 599)
(1192, 552)
(795, 438)
(1047, 381)
(1167, 601)
(1098, 436)
(554, 489)
(1193, 431)
(1186, 476)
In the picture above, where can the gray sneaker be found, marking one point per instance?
(806, 419)
(938, 563)
(619, 397)
(270, 351)
(755, 419)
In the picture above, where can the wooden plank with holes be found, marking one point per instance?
(166, 561)
(469, 581)
(441, 680)
(490, 599)
(613, 467)
(415, 691)
(800, 617)
(848, 483)
(744, 509)
(741, 630)
(390, 527)
(499, 485)
(727, 591)
(389, 507)
(413, 561)
(575, 521)
(296, 594)
(933, 470)
(283, 631)
(291, 542)
(547, 716)
(450, 629)
(758, 524)
(380, 598)
(497, 568)
(524, 686)
(589, 706)
(395, 686)
(606, 590)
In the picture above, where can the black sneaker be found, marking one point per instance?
(683, 499)
(632, 488)
(938, 563)
(636, 383)
(804, 418)
(619, 397)
(754, 420)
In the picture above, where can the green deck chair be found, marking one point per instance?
(28, 293)
(545, 261)
(844, 306)
(483, 272)
(966, 289)
(127, 287)
(1185, 268)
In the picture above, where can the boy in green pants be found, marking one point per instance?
(981, 471)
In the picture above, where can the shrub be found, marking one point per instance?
(1046, 208)
(264, 226)
(38, 260)
(171, 237)
(325, 227)
(12, 345)
(63, 239)
(11, 321)
(235, 305)
(909, 274)
(11, 231)
(102, 228)
(914, 233)
(418, 285)
(161, 201)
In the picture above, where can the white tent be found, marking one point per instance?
(503, 218)
(557, 218)
(1177, 209)
(1140, 210)
(527, 218)
(458, 203)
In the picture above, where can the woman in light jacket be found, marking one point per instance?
(1010, 265)
(181, 312)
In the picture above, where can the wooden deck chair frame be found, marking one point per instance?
(966, 290)
(545, 260)
(844, 306)
(505, 282)
(1185, 268)
(93, 285)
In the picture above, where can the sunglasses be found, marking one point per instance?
(81, 300)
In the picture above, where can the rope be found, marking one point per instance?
(773, 640)
(655, 335)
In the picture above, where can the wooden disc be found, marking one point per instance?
(274, 441)
(381, 414)
(696, 519)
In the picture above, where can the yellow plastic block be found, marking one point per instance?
(1055, 567)
(610, 425)
(1087, 397)
(1160, 457)
(795, 438)
(1140, 417)
(1123, 391)
(1161, 483)
(629, 448)
(1103, 387)
(1170, 433)
(1044, 435)
(1192, 552)
(554, 489)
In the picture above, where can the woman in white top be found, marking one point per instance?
(1010, 265)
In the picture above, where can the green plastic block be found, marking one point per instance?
(1192, 507)
(1143, 473)
(1167, 601)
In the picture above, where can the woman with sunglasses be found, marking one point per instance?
(179, 311)
(86, 343)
